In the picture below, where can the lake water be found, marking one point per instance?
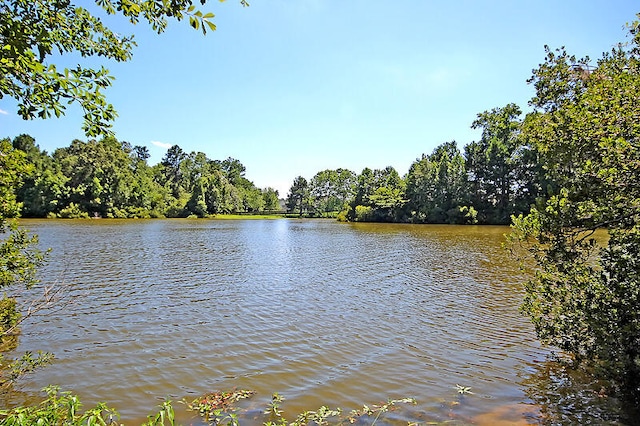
(321, 312)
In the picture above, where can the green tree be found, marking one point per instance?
(436, 187)
(365, 186)
(345, 185)
(298, 197)
(214, 187)
(147, 198)
(141, 153)
(250, 196)
(224, 196)
(45, 186)
(100, 176)
(492, 163)
(197, 203)
(171, 170)
(19, 259)
(252, 199)
(332, 189)
(585, 297)
(193, 171)
(234, 171)
(271, 200)
(33, 33)
(379, 196)
(386, 203)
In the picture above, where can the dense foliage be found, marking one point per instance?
(19, 260)
(108, 178)
(18, 257)
(496, 177)
(585, 297)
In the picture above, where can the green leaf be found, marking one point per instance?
(211, 25)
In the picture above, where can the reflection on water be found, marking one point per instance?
(571, 396)
(320, 312)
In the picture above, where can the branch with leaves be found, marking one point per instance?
(31, 31)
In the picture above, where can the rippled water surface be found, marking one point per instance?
(318, 311)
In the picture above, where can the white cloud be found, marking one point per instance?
(162, 144)
(3, 112)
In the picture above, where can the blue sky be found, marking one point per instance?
(293, 87)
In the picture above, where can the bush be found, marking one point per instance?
(363, 213)
(343, 216)
(73, 211)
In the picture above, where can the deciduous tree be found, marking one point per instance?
(379, 196)
(34, 33)
(585, 297)
(492, 163)
(331, 189)
(270, 197)
(436, 186)
(19, 259)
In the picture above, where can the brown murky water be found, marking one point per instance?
(318, 311)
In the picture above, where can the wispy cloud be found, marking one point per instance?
(3, 112)
(162, 144)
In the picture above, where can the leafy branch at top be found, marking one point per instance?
(31, 31)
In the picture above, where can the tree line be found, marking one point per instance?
(111, 179)
(489, 181)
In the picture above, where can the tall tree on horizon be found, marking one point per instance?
(298, 197)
